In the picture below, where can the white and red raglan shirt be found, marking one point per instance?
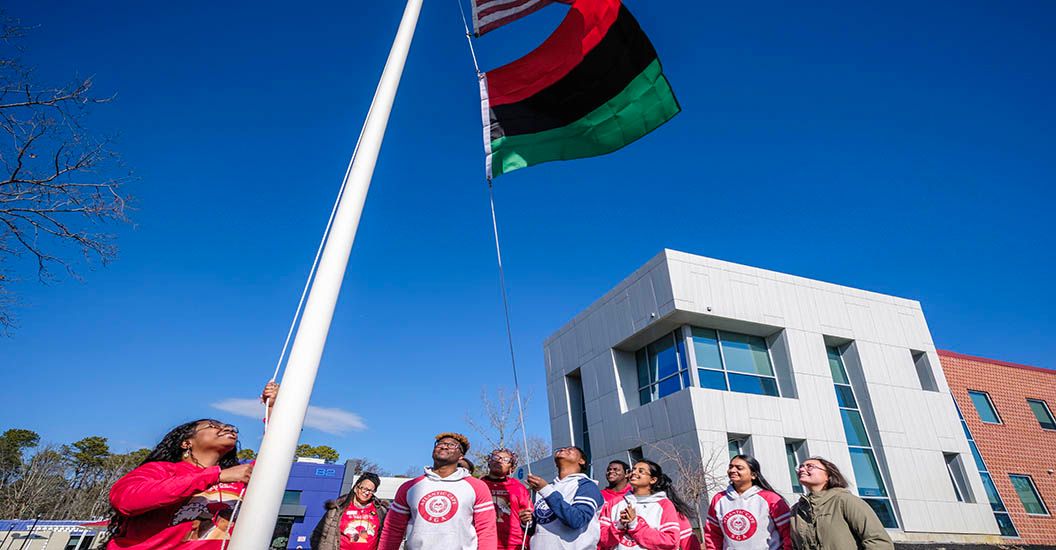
(174, 505)
(453, 513)
(756, 520)
(657, 525)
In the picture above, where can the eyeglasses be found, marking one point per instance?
(810, 468)
(447, 445)
(365, 490)
(563, 449)
(218, 427)
(500, 458)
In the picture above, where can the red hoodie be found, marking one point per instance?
(173, 505)
(510, 497)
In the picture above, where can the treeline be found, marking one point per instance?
(59, 481)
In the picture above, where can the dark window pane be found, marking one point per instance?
(984, 407)
(1005, 523)
(291, 497)
(645, 376)
(996, 503)
(645, 395)
(662, 356)
(668, 386)
(1028, 495)
(758, 385)
(744, 353)
(883, 510)
(978, 458)
(713, 379)
(734, 447)
(845, 397)
(793, 462)
(867, 473)
(839, 374)
(685, 379)
(706, 348)
(854, 428)
(1041, 412)
(964, 426)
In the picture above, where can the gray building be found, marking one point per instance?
(710, 358)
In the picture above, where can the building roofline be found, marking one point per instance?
(956, 355)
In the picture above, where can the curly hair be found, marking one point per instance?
(513, 455)
(461, 439)
(170, 449)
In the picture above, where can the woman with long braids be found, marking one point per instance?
(185, 492)
(650, 517)
(749, 514)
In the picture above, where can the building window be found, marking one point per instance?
(796, 452)
(577, 407)
(79, 542)
(984, 406)
(1042, 413)
(738, 445)
(292, 498)
(924, 372)
(1004, 521)
(958, 478)
(662, 368)
(1028, 495)
(871, 485)
(635, 455)
(733, 362)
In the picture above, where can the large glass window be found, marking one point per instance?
(1042, 413)
(984, 406)
(1004, 521)
(733, 362)
(662, 368)
(958, 478)
(738, 445)
(866, 469)
(291, 497)
(1028, 494)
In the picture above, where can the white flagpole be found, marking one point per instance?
(260, 508)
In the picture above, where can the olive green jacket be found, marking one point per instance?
(835, 519)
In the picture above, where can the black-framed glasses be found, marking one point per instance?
(447, 445)
(363, 489)
(500, 458)
(810, 468)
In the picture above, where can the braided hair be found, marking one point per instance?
(664, 483)
(170, 449)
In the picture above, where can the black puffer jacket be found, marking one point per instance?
(327, 534)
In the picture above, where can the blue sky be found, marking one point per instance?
(904, 148)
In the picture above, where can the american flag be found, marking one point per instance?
(491, 14)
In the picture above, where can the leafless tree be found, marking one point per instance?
(498, 425)
(59, 182)
(698, 473)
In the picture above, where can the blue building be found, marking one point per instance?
(310, 486)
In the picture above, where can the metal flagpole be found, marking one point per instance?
(263, 498)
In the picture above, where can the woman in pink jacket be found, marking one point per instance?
(749, 514)
(650, 517)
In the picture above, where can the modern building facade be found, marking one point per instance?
(709, 358)
(1008, 414)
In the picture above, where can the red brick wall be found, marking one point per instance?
(1019, 445)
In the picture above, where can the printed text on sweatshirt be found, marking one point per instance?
(756, 520)
(566, 515)
(657, 525)
(173, 505)
(510, 497)
(453, 513)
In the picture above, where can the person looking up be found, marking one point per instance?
(184, 493)
(651, 516)
(445, 508)
(749, 514)
(352, 521)
(616, 476)
(566, 512)
(510, 498)
(830, 516)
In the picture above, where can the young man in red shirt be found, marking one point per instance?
(616, 475)
(509, 496)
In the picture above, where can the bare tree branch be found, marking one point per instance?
(59, 182)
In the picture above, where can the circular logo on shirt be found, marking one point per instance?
(437, 506)
(739, 525)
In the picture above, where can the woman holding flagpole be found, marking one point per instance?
(185, 492)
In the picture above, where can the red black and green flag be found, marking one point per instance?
(594, 86)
